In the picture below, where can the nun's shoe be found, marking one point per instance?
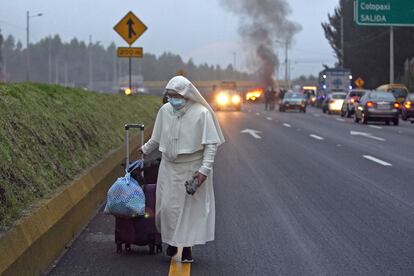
(187, 257)
(171, 251)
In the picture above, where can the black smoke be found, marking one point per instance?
(263, 23)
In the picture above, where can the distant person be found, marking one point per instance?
(188, 134)
(272, 98)
(267, 99)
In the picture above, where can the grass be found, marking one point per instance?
(49, 134)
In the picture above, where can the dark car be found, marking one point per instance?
(352, 98)
(407, 108)
(377, 106)
(293, 101)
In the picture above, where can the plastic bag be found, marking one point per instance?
(125, 198)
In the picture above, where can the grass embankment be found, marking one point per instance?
(49, 134)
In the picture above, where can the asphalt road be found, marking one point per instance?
(315, 195)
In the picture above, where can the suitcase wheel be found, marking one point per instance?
(159, 248)
(152, 249)
(127, 248)
(119, 248)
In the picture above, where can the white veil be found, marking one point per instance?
(186, 89)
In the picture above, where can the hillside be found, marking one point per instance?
(50, 134)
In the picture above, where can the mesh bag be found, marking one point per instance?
(125, 198)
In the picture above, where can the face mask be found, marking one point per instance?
(177, 103)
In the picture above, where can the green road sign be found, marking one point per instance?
(384, 12)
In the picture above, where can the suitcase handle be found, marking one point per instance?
(127, 127)
(140, 126)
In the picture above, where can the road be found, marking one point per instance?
(314, 194)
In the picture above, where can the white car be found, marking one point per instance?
(333, 102)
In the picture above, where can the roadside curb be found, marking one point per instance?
(38, 239)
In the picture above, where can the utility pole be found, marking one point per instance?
(28, 16)
(234, 64)
(342, 40)
(50, 60)
(90, 64)
(391, 54)
(286, 63)
(27, 47)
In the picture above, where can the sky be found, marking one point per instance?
(198, 29)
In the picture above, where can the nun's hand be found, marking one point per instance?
(200, 177)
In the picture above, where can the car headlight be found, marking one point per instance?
(222, 99)
(128, 91)
(235, 99)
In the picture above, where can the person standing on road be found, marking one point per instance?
(188, 134)
(267, 99)
(272, 98)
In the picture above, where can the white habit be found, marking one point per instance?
(188, 139)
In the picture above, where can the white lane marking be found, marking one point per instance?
(258, 114)
(376, 127)
(269, 118)
(376, 160)
(253, 133)
(317, 115)
(368, 135)
(316, 137)
(287, 125)
(340, 119)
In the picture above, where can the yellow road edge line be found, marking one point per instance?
(177, 268)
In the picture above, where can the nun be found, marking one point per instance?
(187, 133)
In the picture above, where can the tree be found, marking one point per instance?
(366, 49)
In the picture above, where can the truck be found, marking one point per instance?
(333, 80)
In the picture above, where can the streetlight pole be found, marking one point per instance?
(342, 41)
(286, 63)
(28, 16)
(286, 44)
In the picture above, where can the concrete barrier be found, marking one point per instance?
(39, 238)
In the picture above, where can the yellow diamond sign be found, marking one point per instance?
(130, 28)
(360, 83)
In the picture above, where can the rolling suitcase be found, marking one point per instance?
(140, 231)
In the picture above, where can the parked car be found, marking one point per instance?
(352, 98)
(293, 101)
(333, 102)
(407, 108)
(377, 106)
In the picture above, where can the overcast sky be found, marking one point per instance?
(200, 29)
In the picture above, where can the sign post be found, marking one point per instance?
(130, 28)
(387, 13)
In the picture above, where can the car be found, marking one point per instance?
(407, 108)
(294, 101)
(377, 106)
(333, 102)
(351, 99)
(227, 99)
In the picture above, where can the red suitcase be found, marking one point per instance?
(140, 231)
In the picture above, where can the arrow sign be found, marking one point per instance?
(131, 31)
(368, 135)
(130, 28)
(252, 132)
